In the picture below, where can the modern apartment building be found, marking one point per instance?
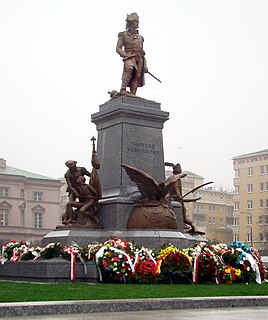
(250, 223)
(213, 213)
(29, 204)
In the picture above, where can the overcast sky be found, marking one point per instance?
(58, 60)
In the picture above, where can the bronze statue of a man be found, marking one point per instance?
(71, 177)
(87, 205)
(130, 48)
(176, 195)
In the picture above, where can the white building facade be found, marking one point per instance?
(29, 204)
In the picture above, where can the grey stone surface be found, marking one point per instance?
(114, 212)
(175, 314)
(53, 270)
(178, 212)
(129, 132)
(126, 305)
(150, 238)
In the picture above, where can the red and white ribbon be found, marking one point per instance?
(72, 252)
(15, 255)
(195, 271)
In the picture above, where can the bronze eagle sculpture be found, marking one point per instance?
(148, 187)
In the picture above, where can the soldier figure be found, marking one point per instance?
(176, 195)
(130, 48)
(71, 177)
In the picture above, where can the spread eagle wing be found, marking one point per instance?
(147, 186)
(169, 183)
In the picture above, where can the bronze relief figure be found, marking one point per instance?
(82, 208)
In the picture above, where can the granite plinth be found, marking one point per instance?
(129, 132)
(150, 238)
(52, 270)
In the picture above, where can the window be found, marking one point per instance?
(236, 189)
(209, 220)
(38, 220)
(236, 221)
(213, 220)
(236, 205)
(249, 220)
(22, 193)
(261, 186)
(261, 170)
(249, 204)
(221, 220)
(38, 196)
(235, 237)
(266, 186)
(4, 192)
(261, 203)
(261, 237)
(22, 217)
(266, 169)
(213, 208)
(250, 171)
(4, 217)
(266, 203)
(249, 237)
(250, 188)
(236, 173)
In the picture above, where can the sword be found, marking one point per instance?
(132, 56)
(196, 188)
(154, 76)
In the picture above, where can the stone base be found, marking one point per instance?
(150, 238)
(53, 271)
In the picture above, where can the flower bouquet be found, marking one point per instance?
(28, 253)
(229, 274)
(7, 249)
(205, 263)
(146, 268)
(175, 265)
(51, 250)
(115, 260)
(89, 252)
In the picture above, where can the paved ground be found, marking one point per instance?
(200, 314)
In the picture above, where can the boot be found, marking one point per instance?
(125, 81)
(133, 87)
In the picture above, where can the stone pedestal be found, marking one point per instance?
(129, 132)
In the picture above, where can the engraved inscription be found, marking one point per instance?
(142, 147)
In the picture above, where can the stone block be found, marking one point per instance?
(129, 132)
(51, 270)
